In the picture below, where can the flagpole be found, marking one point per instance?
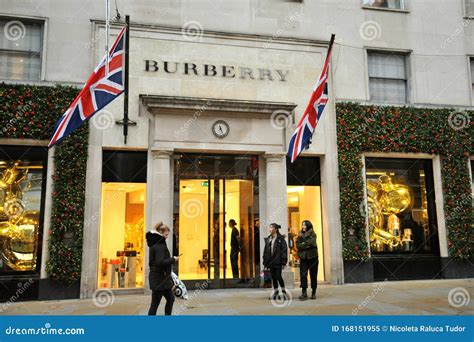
(125, 98)
(107, 24)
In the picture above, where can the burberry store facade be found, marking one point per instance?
(212, 119)
(389, 195)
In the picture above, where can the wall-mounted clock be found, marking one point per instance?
(220, 129)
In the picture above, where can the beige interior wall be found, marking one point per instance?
(121, 204)
(193, 226)
(112, 223)
(309, 205)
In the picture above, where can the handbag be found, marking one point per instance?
(267, 278)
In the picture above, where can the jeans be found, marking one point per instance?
(310, 265)
(156, 299)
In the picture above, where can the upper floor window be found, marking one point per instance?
(391, 4)
(472, 76)
(388, 77)
(20, 49)
(469, 8)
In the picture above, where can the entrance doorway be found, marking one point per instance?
(216, 206)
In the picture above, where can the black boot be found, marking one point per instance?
(275, 295)
(304, 295)
(313, 294)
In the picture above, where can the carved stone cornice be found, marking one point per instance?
(209, 106)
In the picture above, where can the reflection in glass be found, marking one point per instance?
(20, 202)
(122, 235)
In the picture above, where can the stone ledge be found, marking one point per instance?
(156, 103)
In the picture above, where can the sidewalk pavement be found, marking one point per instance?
(421, 297)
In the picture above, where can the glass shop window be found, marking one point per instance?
(401, 206)
(122, 221)
(304, 203)
(122, 225)
(21, 185)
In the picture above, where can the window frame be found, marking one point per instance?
(470, 162)
(43, 50)
(441, 248)
(464, 10)
(408, 71)
(32, 154)
(470, 70)
(403, 9)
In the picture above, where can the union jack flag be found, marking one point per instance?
(99, 90)
(301, 139)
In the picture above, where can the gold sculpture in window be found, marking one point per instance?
(18, 224)
(385, 200)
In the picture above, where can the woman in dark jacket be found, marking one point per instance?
(160, 263)
(275, 257)
(308, 254)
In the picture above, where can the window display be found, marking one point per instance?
(20, 206)
(122, 235)
(401, 206)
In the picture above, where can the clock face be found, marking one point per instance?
(220, 129)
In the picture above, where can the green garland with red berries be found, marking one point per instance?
(370, 128)
(31, 112)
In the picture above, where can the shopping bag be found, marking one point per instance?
(179, 290)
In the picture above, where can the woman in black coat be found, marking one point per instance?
(275, 257)
(308, 254)
(161, 264)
